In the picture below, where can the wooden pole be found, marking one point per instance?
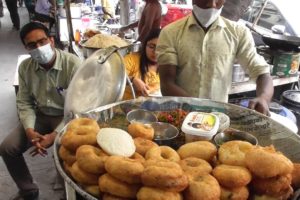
(69, 25)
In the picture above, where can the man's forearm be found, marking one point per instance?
(264, 87)
(173, 90)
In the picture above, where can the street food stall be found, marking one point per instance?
(267, 131)
(94, 97)
(89, 103)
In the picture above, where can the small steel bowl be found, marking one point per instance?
(230, 135)
(141, 116)
(164, 133)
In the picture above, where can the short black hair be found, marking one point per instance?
(27, 28)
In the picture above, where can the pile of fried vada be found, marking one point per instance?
(237, 170)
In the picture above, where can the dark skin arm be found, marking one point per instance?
(264, 93)
(129, 26)
(150, 13)
(167, 75)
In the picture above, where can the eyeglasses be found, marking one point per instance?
(34, 45)
(151, 46)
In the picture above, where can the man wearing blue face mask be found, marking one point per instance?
(196, 54)
(39, 104)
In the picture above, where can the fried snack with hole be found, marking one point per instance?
(296, 176)
(233, 152)
(79, 132)
(92, 189)
(274, 186)
(195, 166)
(165, 175)
(287, 194)
(141, 130)
(204, 187)
(124, 169)
(232, 176)
(241, 193)
(113, 186)
(162, 153)
(200, 149)
(107, 196)
(66, 155)
(143, 145)
(67, 168)
(91, 159)
(82, 176)
(266, 162)
(138, 157)
(146, 193)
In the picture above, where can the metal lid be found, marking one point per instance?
(99, 81)
(292, 96)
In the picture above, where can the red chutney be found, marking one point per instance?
(174, 117)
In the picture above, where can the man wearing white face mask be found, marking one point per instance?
(39, 103)
(196, 54)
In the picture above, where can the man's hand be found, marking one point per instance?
(33, 136)
(259, 104)
(264, 93)
(42, 144)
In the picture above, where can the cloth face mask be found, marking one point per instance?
(43, 54)
(206, 16)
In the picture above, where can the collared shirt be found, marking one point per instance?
(204, 60)
(40, 90)
(132, 64)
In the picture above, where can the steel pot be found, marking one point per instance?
(278, 41)
(291, 98)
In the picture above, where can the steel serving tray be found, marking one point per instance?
(266, 130)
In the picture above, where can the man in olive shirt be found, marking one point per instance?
(196, 55)
(40, 104)
(150, 19)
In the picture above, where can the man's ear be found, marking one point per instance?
(52, 41)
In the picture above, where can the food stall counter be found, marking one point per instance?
(247, 86)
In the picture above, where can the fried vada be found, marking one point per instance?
(146, 193)
(195, 166)
(200, 149)
(241, 193)
(274, 186)
(162, 153)
(125, 169)
(233, 152)
(232, 176)
(113, 186)
(91, 159)
(141, 130)
(165, 175)
(204, 187)
(266, 162)
(143, 145)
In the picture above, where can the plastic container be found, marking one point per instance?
(200, 126)
(224, 121)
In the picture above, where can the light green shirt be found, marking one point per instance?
(38, 87)
(108, 5)
(204, 60)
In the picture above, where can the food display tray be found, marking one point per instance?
(266, 130)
